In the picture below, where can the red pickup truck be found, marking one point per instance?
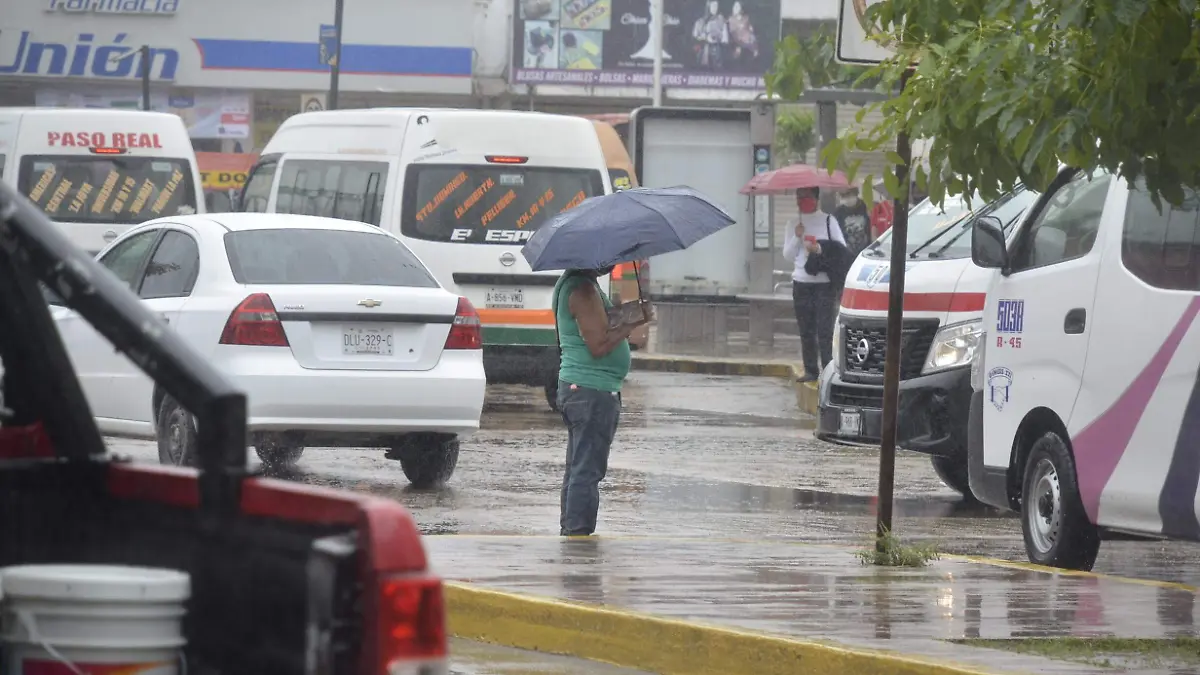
(286, 579)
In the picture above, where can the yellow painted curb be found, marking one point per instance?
(656, 644)
(807, 397)
(705, 366)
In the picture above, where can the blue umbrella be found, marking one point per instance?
(623, 227)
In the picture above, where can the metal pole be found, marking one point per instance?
(656, 10)
(895, 316)
(145, 77)
(335, 68)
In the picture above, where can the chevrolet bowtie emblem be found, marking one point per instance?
(369, 303)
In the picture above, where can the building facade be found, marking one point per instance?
(234, 69)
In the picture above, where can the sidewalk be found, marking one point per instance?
(696, 606)
(735, 357)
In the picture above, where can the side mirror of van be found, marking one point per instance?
(988, 248)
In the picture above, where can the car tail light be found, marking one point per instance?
(255, 323)
(466, 331)
(411, 622)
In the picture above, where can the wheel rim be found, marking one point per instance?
(176, 437)
(1044, 515)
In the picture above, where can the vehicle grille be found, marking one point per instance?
(856, 397)
(915, 340)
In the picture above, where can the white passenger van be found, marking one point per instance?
(943, 311)
(1086, 406)
(96, 173)
(464, 189)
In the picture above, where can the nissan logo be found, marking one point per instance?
(508, 260)
(862, 351)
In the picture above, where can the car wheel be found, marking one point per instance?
(279, 456)
(1056, 527)
(551, 390)
(953, 472)
(177, 434)
(427, 462)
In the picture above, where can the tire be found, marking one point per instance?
(427, 462)
(953, 472)
(551, 390)
(1056, 527)
(177, 434)
(279, 456)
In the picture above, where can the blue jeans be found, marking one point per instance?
(591, 417)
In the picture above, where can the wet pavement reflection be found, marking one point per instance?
(475, 658)
(822, 592)
(697, 456)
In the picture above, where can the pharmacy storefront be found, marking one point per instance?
(233, 69)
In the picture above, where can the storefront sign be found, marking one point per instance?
(706, 43)
(124, 7)
(205, 115)
(89, 55)
(224, 171)
(127, 7)
(312, 102)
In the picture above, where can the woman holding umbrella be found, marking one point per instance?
(588, 241)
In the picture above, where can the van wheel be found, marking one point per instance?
(551, 390)
(177, 434)
(1056, 527)
(279, 456)
(953, 472)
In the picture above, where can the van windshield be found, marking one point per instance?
(107, 190)
(926, 221)
(473, 204)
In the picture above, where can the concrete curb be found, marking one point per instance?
(806, 392)
(659, 645)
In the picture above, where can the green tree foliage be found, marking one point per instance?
(810, 62)
(795, 135)
(1010, 89)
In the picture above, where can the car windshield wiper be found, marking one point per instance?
(929, 242)
(1003, 229)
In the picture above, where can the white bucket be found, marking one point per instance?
(91, 620)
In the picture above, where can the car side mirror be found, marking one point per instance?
(988, 248)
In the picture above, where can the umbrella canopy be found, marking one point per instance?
(793, 177)
(623, 227)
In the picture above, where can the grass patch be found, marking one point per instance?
(1108, 652)
(889, 551)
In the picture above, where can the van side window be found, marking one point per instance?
(1159, 246)
(347, 190)
(257, 192)
(3, 157)
(1067, 226)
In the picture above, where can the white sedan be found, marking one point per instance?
(336, 331)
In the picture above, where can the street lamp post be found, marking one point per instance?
(143, 71)
(335, 66)
(656, 41)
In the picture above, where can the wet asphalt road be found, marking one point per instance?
(695, 455)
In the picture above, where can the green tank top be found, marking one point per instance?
(578, 366)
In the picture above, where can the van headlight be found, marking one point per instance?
(954, 346)
(839, 354)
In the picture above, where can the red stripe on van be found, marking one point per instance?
(877, 301)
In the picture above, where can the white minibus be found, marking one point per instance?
(97, 172)
(1085, 411)
(464, 189)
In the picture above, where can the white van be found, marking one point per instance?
(943, 308)
(1086, 407)
(96, 173)
(464, 189)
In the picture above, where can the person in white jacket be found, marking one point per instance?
(812, 294)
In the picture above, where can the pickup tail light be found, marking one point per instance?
(412, 622)
(254, 322)
(466, 332)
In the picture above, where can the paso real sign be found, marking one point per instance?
(723, 44)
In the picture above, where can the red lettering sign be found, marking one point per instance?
(97, 139)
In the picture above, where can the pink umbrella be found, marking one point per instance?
(793, 177)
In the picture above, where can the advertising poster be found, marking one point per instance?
(721, 44)
(205, 115)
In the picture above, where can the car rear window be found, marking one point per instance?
(328, 257)
(489, 204)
